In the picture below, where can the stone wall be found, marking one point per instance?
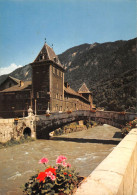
(6, 129)
(116, 174)
(9, 128)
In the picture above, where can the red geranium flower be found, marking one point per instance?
(65, 173)
(53, 170)
(41, 176)
(70, 175)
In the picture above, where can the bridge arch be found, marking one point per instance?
(27, 131)
(46, 124)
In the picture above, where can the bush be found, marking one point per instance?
(126, 129)
(53, 180)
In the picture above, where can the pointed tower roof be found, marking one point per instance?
(47, 53)
(83, 89)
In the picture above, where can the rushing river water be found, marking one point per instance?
(84, 150)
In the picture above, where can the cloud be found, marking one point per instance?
(9, 69)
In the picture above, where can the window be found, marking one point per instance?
(40, 57)
(26, 96)
(39, 106)
(61, 97)
(53, 69)
(55, 59)
(57, 72)
(42, 94)
(57, 96)
(37, 94)
(17, 96)
(56, 107)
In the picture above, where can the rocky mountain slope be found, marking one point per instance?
(108, 69)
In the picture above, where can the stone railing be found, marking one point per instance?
(116, 174)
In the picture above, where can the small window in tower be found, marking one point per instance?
(55, 59)
(53, 70)
(40, 57)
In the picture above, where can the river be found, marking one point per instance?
(84, 150)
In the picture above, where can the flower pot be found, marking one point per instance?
(122, 113)
(69, 111)
(47, 115)
(93, 111)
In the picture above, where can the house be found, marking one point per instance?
(47, 90)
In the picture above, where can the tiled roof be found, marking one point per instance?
(83, 89)
(47, 53)
(18, 87)
(72, 92)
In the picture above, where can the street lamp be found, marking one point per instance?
(48, 111)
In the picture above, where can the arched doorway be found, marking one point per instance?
(27, 131)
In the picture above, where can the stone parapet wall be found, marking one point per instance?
(116, 174)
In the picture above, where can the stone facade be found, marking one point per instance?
(46, 91)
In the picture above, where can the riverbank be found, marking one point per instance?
(74, 127)
(14, 142)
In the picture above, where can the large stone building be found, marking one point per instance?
(47, 90)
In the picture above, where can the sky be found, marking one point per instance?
(24, 25)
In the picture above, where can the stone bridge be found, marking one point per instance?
(40, 126)
(46, 124)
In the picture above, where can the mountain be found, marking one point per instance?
(22, 73)
(109, 70)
